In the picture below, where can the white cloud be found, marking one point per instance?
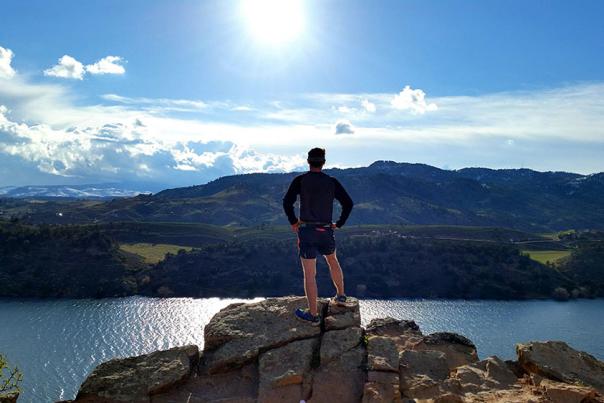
(242, 108)
(6, 57)
(67, 67)
(107, 65)
(344, 127)
(164, 104)
(413, 100)
(368, 106)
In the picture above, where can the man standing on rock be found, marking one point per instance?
(315, 228)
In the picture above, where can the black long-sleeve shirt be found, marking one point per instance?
(317, 191)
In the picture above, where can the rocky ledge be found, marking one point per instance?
(260, 353)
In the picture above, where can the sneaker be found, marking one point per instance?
(341, 300)
(304, 315)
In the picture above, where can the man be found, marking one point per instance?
(315, 229)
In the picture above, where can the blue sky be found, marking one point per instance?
(180, 92)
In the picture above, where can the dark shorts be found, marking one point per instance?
(313, 240)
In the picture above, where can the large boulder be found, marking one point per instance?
(236, 386)
(458, 349)
(237, 334)
(405, 333)
(391, 327)
(136, 379)
(486, 375)
(376, 392)
(558, 392)
(340, 379)
(382, 354)
(341, 374)
(337, 342)
(382, 387)
(285, 371)
(382, 364)
(422, 374)
(558, 361)
(342, 317)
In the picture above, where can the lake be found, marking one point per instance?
(56, 343)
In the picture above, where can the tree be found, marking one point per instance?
(9, 378)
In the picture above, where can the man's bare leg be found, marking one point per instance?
(336, 273)
(310, 283)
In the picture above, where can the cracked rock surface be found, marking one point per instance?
(259, 352)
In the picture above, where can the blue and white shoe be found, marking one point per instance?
(305, 315)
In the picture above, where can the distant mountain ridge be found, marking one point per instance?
(403, 193)
(97, 191)
(411, 170)
(385, 192)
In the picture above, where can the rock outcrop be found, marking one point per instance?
(556, 360)
(259, 352)
(240, 332)
(134, 379)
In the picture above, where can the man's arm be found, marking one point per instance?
(345, 201)
(290, 198)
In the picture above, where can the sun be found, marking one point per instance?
(273, 22)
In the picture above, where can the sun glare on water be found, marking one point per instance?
(273, 22)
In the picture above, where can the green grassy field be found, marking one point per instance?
(152, 253)
(544, 256)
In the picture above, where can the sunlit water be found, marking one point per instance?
(56, 343)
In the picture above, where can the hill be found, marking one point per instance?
(383, 266)
(202, 260)
(64, 261)
(585, 266)
(384, 193)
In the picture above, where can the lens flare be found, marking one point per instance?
(274, 22)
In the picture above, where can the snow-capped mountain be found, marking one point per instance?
(97, 191)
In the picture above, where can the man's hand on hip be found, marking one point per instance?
(296, 226)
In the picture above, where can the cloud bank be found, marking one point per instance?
(47, 137)
(121, 151)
